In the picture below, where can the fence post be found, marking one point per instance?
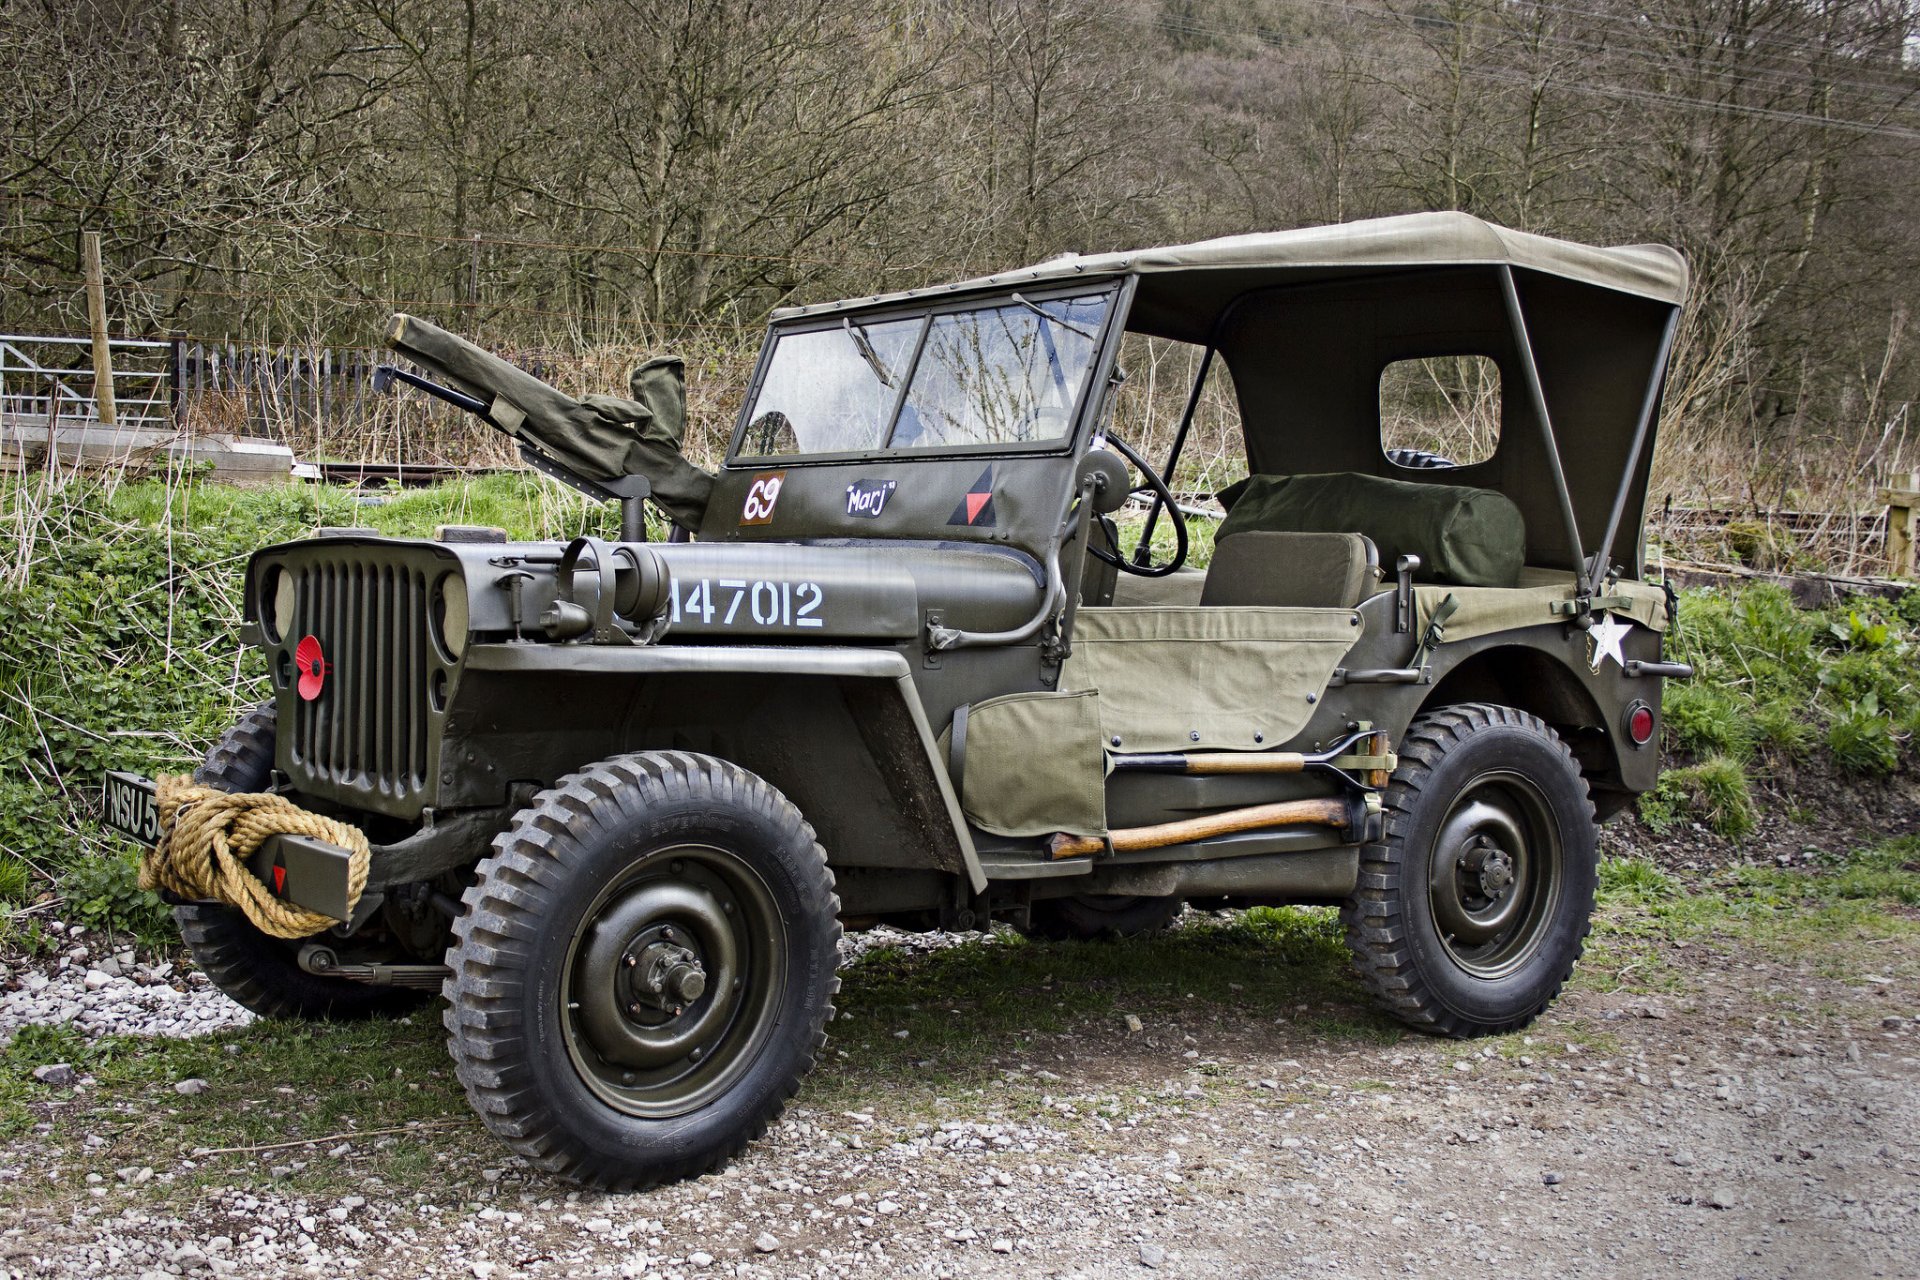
(1902, 500)
(97, 314)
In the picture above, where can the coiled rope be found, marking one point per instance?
(207, 835)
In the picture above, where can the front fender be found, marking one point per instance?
(840, 730)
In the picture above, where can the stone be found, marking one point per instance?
(1001, 1246)
(1152, 1256)
(191, 1086)
(1133, 1023)
(766, 1242)
(96, 979)
(699, 1258)
(1720, 1198)
(1552, 1179)
(57, 1074)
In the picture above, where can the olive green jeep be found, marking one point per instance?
(909, 658)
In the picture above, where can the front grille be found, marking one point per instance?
(368, 729)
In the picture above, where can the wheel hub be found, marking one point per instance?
(1495, 869)
(665, 977)
(1479, 865)
(658, 970)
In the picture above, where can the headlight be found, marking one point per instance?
(450, 615)
(277, 595)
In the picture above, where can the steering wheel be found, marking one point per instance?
(1151, 482)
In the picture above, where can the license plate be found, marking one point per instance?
(131, 808)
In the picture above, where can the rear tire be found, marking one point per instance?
(253, 969)
(1472, 909)
(1086, 916)
(644, 971)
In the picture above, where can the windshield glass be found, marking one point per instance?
(1007, 373)
(831, 390)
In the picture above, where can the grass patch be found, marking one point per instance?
(1772, 677)
(969, 1010)
(1714, 791)
(119, 649)
(269, 1084)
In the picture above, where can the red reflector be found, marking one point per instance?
(1640, 725)
(312, 666)
(279, 882)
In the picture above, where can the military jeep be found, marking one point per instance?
(910, 656)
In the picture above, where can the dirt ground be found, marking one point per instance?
(1724, 1099)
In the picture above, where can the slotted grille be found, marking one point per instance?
(368, 727)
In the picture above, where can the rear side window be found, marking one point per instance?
(1440, 411)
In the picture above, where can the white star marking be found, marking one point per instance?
(1607, 635)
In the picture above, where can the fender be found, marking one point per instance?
(891, 716)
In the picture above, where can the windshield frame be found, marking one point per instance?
(928, 309)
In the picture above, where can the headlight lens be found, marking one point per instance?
(279, 599)
(450, 614)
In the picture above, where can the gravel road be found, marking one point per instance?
(1758, 1120)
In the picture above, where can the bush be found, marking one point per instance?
(104, 893)
(1713, 792)
(1771, 676)
(1861, 738)
(119, 645)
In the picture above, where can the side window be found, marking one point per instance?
(1440, 411)
(1147, 409)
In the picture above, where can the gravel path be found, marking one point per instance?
(1760, 1123)
(111, 994)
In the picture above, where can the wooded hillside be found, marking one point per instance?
(603, 171)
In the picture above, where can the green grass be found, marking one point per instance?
(118, 649)
(1773, 677)
(1840, 912)
(1715, 791)
(983, 1021)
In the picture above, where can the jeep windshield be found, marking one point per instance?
(1009, 371)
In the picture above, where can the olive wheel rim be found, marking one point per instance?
(671, 982)
(1496, 876)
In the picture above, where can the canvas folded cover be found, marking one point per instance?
(1188, 679)
(1463, 536)
(1034, 765)
(1534, 601)
(602, 438)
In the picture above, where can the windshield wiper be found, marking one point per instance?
(1051, 318)
(867, 352)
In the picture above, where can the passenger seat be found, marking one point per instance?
(1292, 570)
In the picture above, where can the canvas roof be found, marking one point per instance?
(1408, 241)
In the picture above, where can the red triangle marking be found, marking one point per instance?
(279, 882)
(975, 501)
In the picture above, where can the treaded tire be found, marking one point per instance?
(571, 876)
(253, 969)
(1087, 916)
(1459, 764)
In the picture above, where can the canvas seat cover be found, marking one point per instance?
(1290, 570)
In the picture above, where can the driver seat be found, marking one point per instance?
(1292, 570)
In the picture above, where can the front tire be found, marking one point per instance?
(644, 971)
(1473, 908)
(253, 969)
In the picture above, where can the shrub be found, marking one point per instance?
(1714, 792)
(104, 893)
(1861, 738)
